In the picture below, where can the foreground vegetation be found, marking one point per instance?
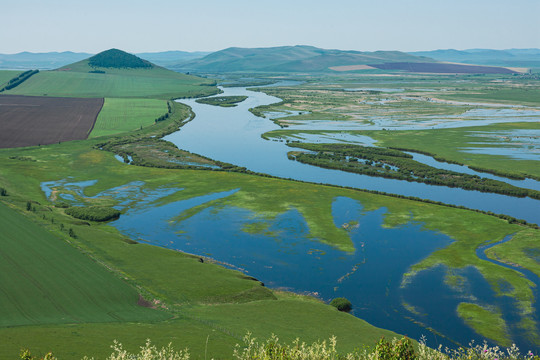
(272, 349)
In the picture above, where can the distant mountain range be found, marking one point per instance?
(301, 59)
(529, 58)
(55, 60)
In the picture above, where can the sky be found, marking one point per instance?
(211, 25)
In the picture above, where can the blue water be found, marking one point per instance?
(283, 254)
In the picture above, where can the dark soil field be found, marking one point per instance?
(36, 120)
(443, 68)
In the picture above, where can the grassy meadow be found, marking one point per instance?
(77, 81)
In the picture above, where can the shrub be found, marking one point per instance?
(148, 352)
(3, 192)
(93, 213)
(341, 304)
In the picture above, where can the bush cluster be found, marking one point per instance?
(93, 213)
(342, 304)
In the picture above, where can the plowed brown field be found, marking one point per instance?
(36, 120)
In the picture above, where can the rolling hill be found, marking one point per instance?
(114, 73)
(298, 58)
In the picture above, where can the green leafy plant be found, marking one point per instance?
(342, 304)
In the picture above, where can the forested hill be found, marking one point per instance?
(115, 58)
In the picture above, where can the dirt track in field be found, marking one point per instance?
(39, 120)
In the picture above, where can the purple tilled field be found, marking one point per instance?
(443, 68)
(37, 120)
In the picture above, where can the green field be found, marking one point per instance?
(121, 115)
(139, 83)
(525, 96)
(47, 281)
(6, 75)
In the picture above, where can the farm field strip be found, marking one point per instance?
(121, 115)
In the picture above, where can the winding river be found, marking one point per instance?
(233, 135)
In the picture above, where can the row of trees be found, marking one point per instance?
(19, 79)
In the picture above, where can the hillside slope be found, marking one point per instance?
(47, 281)
(510, 57)
(114, 73)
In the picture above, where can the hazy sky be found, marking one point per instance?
(209, 25)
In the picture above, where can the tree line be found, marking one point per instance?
(19, 79)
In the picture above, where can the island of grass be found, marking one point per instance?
(395, 164)
(223, 101)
